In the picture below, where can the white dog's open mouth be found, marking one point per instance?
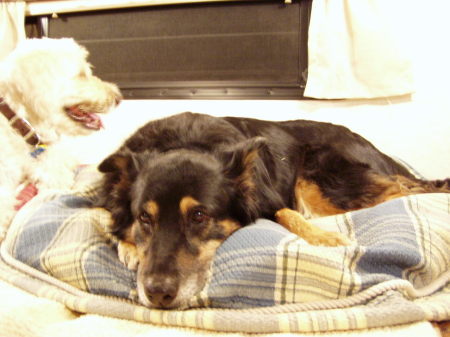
(89, 120)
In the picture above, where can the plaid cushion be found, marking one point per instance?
(404, 239)
(399, 261)
(60, 240)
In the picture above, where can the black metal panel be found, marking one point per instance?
(242, 50)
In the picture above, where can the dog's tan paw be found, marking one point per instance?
(330, 239)
(297, 224)
(128, 255)
(290, 220)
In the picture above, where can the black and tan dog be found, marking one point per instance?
(180, 186)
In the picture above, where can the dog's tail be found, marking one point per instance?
(442, 185)
(416, 186)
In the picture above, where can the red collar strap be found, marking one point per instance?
(19, 124)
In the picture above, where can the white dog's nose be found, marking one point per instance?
(115, 92)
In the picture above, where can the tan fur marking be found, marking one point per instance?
(129, 233)
(128, 255)
(311, 202)
(129, 246)
(297, 224)
(122, 163)
(134, 236)
(245, 179)
(152, 208)
(250, 158)
(208, 250)
(390, 189)
(229, 226)
(186, 204)
(399, 186)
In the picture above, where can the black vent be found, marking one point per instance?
(223, 50)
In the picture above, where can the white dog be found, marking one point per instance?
(49, 83)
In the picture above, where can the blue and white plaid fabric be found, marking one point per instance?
(403, 239)
(397, 270)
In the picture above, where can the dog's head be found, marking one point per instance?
(50, 83)
(177, 207)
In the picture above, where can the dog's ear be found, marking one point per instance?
(120, 170)
(244, 165)
(240, 159)
(119, 162)
(114, 193)
(114, 163)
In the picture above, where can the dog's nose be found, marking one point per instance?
(114, 92)
(161, 291)
(118, 98)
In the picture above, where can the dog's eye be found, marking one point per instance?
(145, 218)
(199, 216)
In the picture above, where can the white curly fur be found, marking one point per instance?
(38, 80)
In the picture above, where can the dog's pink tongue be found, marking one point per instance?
(93, 122)
(88, 119)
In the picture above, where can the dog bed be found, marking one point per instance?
(263, 278)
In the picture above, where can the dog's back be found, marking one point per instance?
(301, 133)
(345, 169)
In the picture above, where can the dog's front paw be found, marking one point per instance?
(128, 255)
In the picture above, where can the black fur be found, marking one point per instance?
(332, 156)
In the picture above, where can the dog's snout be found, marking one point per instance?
(117, 97)
(161, 290)
(114, 92)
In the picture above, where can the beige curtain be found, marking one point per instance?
(359, 49)
(12, 25)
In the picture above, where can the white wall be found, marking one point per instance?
(415, 128)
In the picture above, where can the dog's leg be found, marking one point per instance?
(297, 224)
(128, 255)
(127, 252)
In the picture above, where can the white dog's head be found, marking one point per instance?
(50, 83)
